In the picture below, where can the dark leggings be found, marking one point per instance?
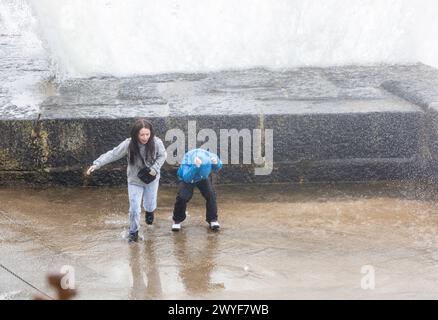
(185, 193)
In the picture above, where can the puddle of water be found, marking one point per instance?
(276, 242)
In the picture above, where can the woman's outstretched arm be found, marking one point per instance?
(113, 155)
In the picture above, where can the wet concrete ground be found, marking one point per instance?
(276, 242)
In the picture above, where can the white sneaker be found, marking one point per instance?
(176, 226)
(214, 225)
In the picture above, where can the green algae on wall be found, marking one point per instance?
(7, 162)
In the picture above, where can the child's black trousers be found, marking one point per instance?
(185, 193)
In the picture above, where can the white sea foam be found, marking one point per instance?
(147, 36)
(94, 37)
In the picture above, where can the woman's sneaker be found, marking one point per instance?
(214, 225)
(176, 226)
(133, 237)
(149, 217)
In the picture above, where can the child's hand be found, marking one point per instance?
(198, 162)
(91, 169)
(214, 160)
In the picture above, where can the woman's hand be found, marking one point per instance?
(153, 172)
(214, 160)
(91, 169)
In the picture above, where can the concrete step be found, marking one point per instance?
(328, 124)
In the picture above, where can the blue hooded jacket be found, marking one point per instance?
(190, 173)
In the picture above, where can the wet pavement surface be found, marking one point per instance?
(240, 92)
(276, 242)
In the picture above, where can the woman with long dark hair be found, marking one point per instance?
(142, 149)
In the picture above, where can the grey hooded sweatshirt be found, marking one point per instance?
(122, 151)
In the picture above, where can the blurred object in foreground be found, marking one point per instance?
(55, 280)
